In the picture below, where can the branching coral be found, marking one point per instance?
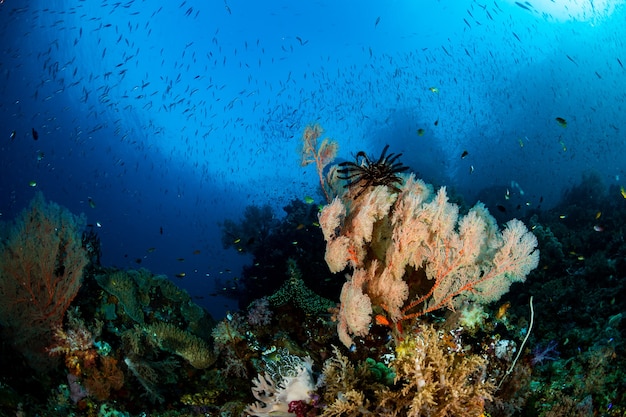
(339, 375)
(434, 382)
(349, 403)
(104, 378)
(76, 343)
(147, 377)
(97, 372)
(430, 381)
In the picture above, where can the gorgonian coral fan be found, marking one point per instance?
(412, 253)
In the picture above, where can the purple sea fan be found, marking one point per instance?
(541, 354)
(259, 313)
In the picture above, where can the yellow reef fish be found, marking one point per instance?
(502, 310)
(622, 191)
(434, 90)
(309, 200)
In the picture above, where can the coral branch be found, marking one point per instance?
(322, 155)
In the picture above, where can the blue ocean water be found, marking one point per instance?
(159, 120)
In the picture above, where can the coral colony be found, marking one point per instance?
(392, 310)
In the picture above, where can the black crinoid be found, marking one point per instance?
(365, 173)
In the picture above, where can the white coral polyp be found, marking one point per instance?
(274, 397)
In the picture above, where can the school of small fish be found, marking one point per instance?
(180, 108)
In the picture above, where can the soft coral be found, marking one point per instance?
(541, 354)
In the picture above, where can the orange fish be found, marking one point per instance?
(502, 310)
(382, 320)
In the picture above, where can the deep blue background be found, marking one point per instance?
(178, 114)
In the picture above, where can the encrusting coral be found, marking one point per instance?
(412, 253)
(123, 287)
(191, 348)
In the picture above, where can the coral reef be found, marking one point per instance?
(419, 335)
